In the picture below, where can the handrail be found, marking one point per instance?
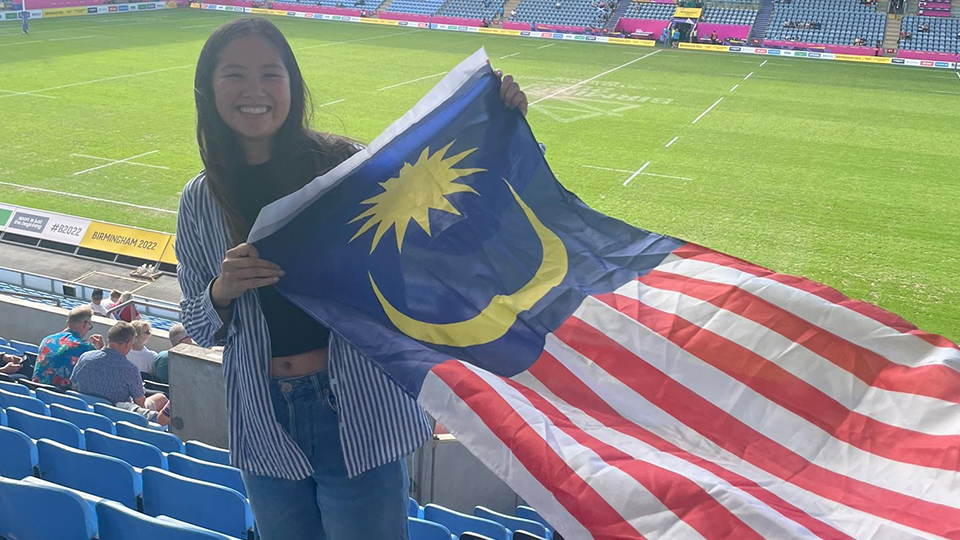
(134, 301)
(32, 297)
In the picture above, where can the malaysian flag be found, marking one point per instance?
(624, 383)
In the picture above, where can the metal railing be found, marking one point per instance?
(150, 305)
(37, 297)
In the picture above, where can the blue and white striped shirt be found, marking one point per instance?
(379, 423)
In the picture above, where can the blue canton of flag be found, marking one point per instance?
(624, 383)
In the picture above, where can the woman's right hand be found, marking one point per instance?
(242, 269)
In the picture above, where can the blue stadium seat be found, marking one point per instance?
(119, 415)
(136, 453)
(15, 388)
(164, 441)
(44, 427)
(206, 452)
(19, 454)
(525, 512)
(420, 529)
(415, 510)
(91, 500)
(222, 475)
(3, 342)
(511, 522)
(82, 419)
(50, 398)
(117, 522)
(100, 475)
(201, 503)
(524, 535)
(26, 403)
(24, 347)
(6, 349)
(3, 417)
(88, 398)
(460, 523)
(26, 511)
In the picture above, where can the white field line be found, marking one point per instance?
(412, 81)
(109, 201)
(123, 161)
(666, 176)
(595, 77)
(509, 55)
(673, 140)
(333, 102)
(634, 175)
(545, 46)
(715, 103)
(945, 92)
(12, 93)
(356, 40)
(115, 161)
(153, 20)
(641, 174)
(21, 43)
(104, 79)
(748, 75)
(606, 169)
(735, 87)
(958, 74)
(71, 38)
(762, 64)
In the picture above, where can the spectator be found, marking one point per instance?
(114, 300)
(713, 37)
(140, 355)
(10, 364)
(675, 38)
(95, 300)
(164, 417)
(694, 35)
(60, 352)
(665, 38)
(558, 4)
(161, 369)
(108, 374)
(879, 51)
(129, 312)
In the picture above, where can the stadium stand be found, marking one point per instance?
(222, 475)
(525, 512)
(739, 17)
(120, 415)
(577, 14)
(471, 9)
(833, 22)
(512, 523)
(645, 10)
(206, 452)
(15, 388)
(27, 403)
(418, 7)
(96, 474)
(420, 529)
(116, 522)
(25, 512)
(91, 400)
(38, 426)
(943, 34)
(19, 454)
(50, 398)
(164, 441)
(201, 503)
(136, 453)
(459, 523)
(82, 419)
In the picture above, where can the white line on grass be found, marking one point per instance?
(634, 175)
(12, 93)
(606, 169)
(355, 40)
(595, 77)
(70, 38)
(103, 80)
(641, 174)
(21, 43)
(673, 140)
(412, 81)
(945, 92)
(748, 75)
(545, 46)
(509, 55)
(109, 201)
(333, 102)
(958, 74)
(715, 103)
(115, 161)
(762, 64)
(667, 176)
(735, 87)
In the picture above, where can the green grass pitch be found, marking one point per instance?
(844, 173)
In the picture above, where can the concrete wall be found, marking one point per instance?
(197, 395)
(28, 321)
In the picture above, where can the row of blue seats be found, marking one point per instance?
(17, 348)
(39, 401)
(434, 522)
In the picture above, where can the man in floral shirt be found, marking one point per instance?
(59, 353)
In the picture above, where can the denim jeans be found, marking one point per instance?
(328, 505)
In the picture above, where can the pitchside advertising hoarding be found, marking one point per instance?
(73, 231)
(10, 16)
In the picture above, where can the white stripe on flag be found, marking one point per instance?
(907, 411)
(775, 422)
(638, 410)
(904, 349)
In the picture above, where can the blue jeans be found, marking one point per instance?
(328, 505)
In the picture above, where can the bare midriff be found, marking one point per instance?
(300, 364)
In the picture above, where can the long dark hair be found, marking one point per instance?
(294, 141)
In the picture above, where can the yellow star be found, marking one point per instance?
(418, 188)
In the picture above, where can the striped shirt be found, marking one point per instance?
(379, 423)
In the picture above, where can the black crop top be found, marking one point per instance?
(292, 331)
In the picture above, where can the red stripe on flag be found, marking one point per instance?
(936, 381)
(682, 496)
(882, 316)
(568, 387)
(741, 440)
(535, 454)
(791, 392)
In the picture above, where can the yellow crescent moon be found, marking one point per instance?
(494, 320)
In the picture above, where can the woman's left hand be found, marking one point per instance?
(510, 93)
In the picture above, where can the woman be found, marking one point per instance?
(128, 312)
(320, 434)
(140, 355)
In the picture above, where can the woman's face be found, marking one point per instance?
(251, 88)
